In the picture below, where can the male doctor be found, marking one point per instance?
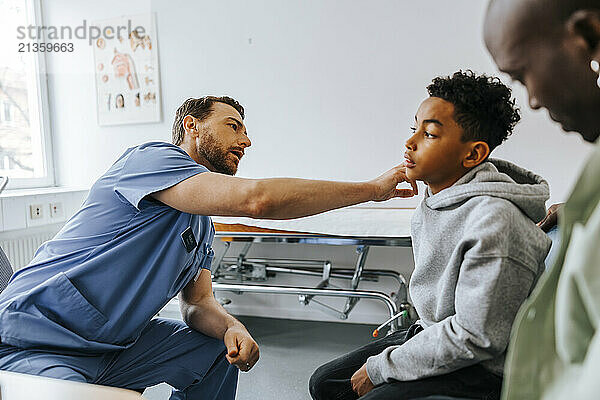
(83, 308)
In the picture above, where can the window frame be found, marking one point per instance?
(34, 8)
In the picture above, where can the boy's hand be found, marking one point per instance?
(385, 185)
(361, 383)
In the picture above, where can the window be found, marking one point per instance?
(7, 115)
(25, 148)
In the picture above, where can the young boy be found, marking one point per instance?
(478, 254)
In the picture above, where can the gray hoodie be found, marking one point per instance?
(478, 254)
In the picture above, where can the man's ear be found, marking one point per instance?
(189, 126)
(478, 153)
(585, 25)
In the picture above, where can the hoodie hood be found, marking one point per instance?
(497, 178)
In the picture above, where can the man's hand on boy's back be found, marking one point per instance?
(361, 383)
(551, 218)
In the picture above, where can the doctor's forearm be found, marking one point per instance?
(209, 318)
(292, 198)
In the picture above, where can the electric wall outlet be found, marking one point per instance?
(56, 210)
(36, 211)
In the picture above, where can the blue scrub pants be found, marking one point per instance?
(167, 351)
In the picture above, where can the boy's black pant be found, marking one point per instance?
(331, 381)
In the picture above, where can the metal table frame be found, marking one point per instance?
(242, 267)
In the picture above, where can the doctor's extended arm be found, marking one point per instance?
(201, 311)
(217, 194)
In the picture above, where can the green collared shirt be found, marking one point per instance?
(554, 351)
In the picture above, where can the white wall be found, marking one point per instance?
(330, 87)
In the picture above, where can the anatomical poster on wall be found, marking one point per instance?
(126, 69)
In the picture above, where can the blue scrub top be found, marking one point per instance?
(114, 264)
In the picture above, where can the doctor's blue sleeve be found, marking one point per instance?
(154, 167)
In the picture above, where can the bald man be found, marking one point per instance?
(553, 48)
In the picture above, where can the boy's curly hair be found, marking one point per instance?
(482, 105)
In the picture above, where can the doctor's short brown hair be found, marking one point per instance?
(199, 108)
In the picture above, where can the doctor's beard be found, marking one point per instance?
(219, 157)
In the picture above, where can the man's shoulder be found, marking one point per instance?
(146, 148)
(156, 153)
(155, 145)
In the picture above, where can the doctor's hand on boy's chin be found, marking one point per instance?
(551, 218)
(361, 383)
(242, 350)
(385, 185)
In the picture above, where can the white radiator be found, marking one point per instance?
(20, 250)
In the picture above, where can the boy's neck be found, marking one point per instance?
(436, 187)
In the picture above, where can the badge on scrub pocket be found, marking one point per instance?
(189, 241)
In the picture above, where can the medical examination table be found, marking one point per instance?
(362, 228)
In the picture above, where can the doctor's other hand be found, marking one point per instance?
(385, 185)
(242, 350)
(361, 383)
(551, 218)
